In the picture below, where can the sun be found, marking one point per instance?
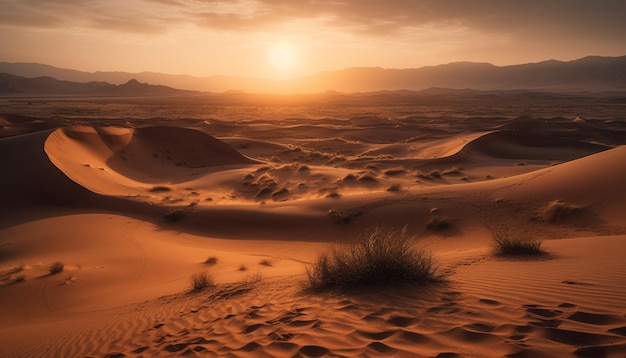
(282, 57)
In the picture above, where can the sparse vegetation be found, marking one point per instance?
(395, 172)
(508, 245)
(56, 267)
(242, 268)
(558, 210)
(211, 260)
(379, 256)
(173, 215)
(252, 279)
(160, 188)
(201, 280)
(265, 262)
(342, 217)
(438, 222)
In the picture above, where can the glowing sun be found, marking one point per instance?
(282, 57)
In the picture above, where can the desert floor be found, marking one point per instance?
(133, 196)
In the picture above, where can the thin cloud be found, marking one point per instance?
(601, 19)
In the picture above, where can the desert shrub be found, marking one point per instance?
(243, 268)
(211, 260)
(557, 211)
(201, 280)
(173, 215)
(437, 223)
(56, 267)
(342, 217)
(394, 187)
(509, 245)
(379, 256)
(395, 172)
(160, 188)
(265, 262)
(252, 279)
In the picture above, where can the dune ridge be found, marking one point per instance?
(264, 198)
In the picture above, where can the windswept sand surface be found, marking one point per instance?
(134, 207)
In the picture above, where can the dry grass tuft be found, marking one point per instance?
(252, 279)
(265, 262)
(211, 260)
(56, 267)
(558, 211)
(437, 223)
(379, 256)
(242, 268)
(507, 245)
(160, 188)
(343, 217)
(201, 280)
(173, 215)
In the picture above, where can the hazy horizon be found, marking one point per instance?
(285, 39)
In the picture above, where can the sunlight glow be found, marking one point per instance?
(282, 57)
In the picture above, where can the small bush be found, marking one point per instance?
(252, 279)
(212, 260)
(265, 262)
(56, 268)
(557, 211)
(243, 268)
(379, 256)
(160, 188)
(342, 217)
(506, 245)
(437, 223)
(173, 215)
(201, 280)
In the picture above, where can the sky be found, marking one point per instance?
(281, 39)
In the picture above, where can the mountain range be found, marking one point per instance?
(588, 74)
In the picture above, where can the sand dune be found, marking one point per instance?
(133, 211)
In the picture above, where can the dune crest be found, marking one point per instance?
(107, 160)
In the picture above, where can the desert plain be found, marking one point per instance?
(136, 196)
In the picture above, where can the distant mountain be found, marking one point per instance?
(589, 74)
(12, 84)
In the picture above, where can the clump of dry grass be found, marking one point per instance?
(265, 262)
(173, 215)
(558, 210)
(508, 245)
(160, 188)
(56, 267)
(252, 279)
(242, 268)
(438, 222)
(211, 260)
(201, 280)
(342, 217)
(379, 256)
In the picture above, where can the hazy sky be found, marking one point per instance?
(289, 38)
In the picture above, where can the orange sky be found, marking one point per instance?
(287, 38)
